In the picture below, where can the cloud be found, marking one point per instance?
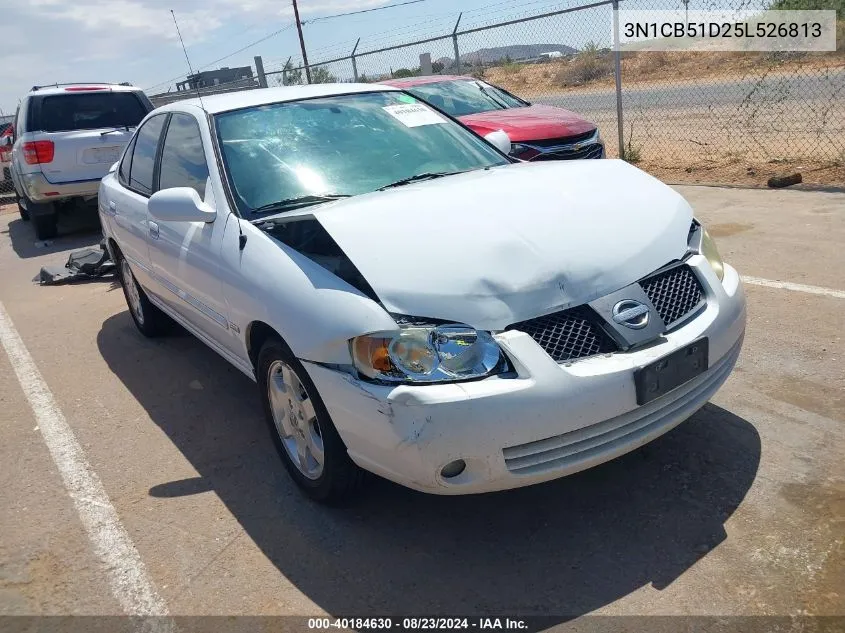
(102, 39)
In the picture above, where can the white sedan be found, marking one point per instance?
(411, 301)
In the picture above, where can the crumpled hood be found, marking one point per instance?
(493, 247)
(531, 123)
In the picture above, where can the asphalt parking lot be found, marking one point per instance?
(739, 511)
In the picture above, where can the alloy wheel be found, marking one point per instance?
(295, 419)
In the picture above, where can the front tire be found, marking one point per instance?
(305, 437)
(149, 320)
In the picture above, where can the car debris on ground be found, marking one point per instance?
(82, 265)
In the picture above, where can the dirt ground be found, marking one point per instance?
(738, 512)
(707, 118)
(658, 68)
(736, 171)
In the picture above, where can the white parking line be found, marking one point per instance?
(128, 577)
(786, 285)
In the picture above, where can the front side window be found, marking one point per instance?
(182, 157)
(89, 111)
(144, 155)
(340, 145)
(463, 96)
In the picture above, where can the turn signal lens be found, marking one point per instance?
(711, 253)
(371, 356)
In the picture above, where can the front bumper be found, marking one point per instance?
(549, 421)
(38, 189)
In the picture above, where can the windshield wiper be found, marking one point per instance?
(301, 201)
(502, 105)
(428, 175)
(119, 128)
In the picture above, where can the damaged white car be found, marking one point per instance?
(411, 301)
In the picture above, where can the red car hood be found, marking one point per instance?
(531, 123)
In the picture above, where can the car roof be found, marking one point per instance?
(428, 79)
(214, 104)
(69, 89)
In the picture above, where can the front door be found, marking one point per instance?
(185, 256)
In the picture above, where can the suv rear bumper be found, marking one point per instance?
(38, 189)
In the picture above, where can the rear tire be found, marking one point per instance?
(305, 436)
(150, 321)
(24, 213)
(44, 218)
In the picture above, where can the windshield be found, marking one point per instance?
(340, 146)
(88, 111)
(461, 97)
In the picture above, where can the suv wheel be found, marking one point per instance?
(304, 435)
(21, 209)
(45, 219)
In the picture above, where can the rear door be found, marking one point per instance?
(88, 128)
(128, 193)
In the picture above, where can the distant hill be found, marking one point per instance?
(515, 52)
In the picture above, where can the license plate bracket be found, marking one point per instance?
(665, 374)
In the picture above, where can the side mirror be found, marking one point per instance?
(180, 204)
(500, 140)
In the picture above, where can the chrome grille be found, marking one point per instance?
(568, 334)
(674, 293)
(588, 151)
(565, 140)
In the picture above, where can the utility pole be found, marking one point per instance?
(302, 42)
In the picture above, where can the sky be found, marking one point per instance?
(46, 41)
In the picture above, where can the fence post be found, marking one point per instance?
(455, 44)
(259, 69)
(354, 63)
(617, 54)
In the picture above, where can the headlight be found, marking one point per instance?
(518, 148)
(427, 353)
(701, 242)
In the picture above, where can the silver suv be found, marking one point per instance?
(66, 138)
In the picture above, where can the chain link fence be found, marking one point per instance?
(717, 117)
(6, 187)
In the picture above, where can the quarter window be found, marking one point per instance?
(126, 164)
(182, 158)
(144, 155)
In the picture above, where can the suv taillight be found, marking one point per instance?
(37, 152)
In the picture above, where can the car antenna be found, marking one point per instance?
(241, 236)
(190, 68)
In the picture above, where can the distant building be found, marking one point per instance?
(208, 78)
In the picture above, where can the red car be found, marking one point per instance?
(537, 132)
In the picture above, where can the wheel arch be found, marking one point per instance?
(258, 333)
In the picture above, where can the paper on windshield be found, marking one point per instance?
(414, 115)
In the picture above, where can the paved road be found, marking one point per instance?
(738, 511)
(775, 89)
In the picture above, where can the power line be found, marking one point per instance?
(395, 36)
(340, 15)
(240, 50)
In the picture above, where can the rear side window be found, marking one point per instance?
(144, 155)
(126, 164)
(87, 111)
(182, 157)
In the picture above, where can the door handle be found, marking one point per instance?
(112, 207)
(153, 230)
